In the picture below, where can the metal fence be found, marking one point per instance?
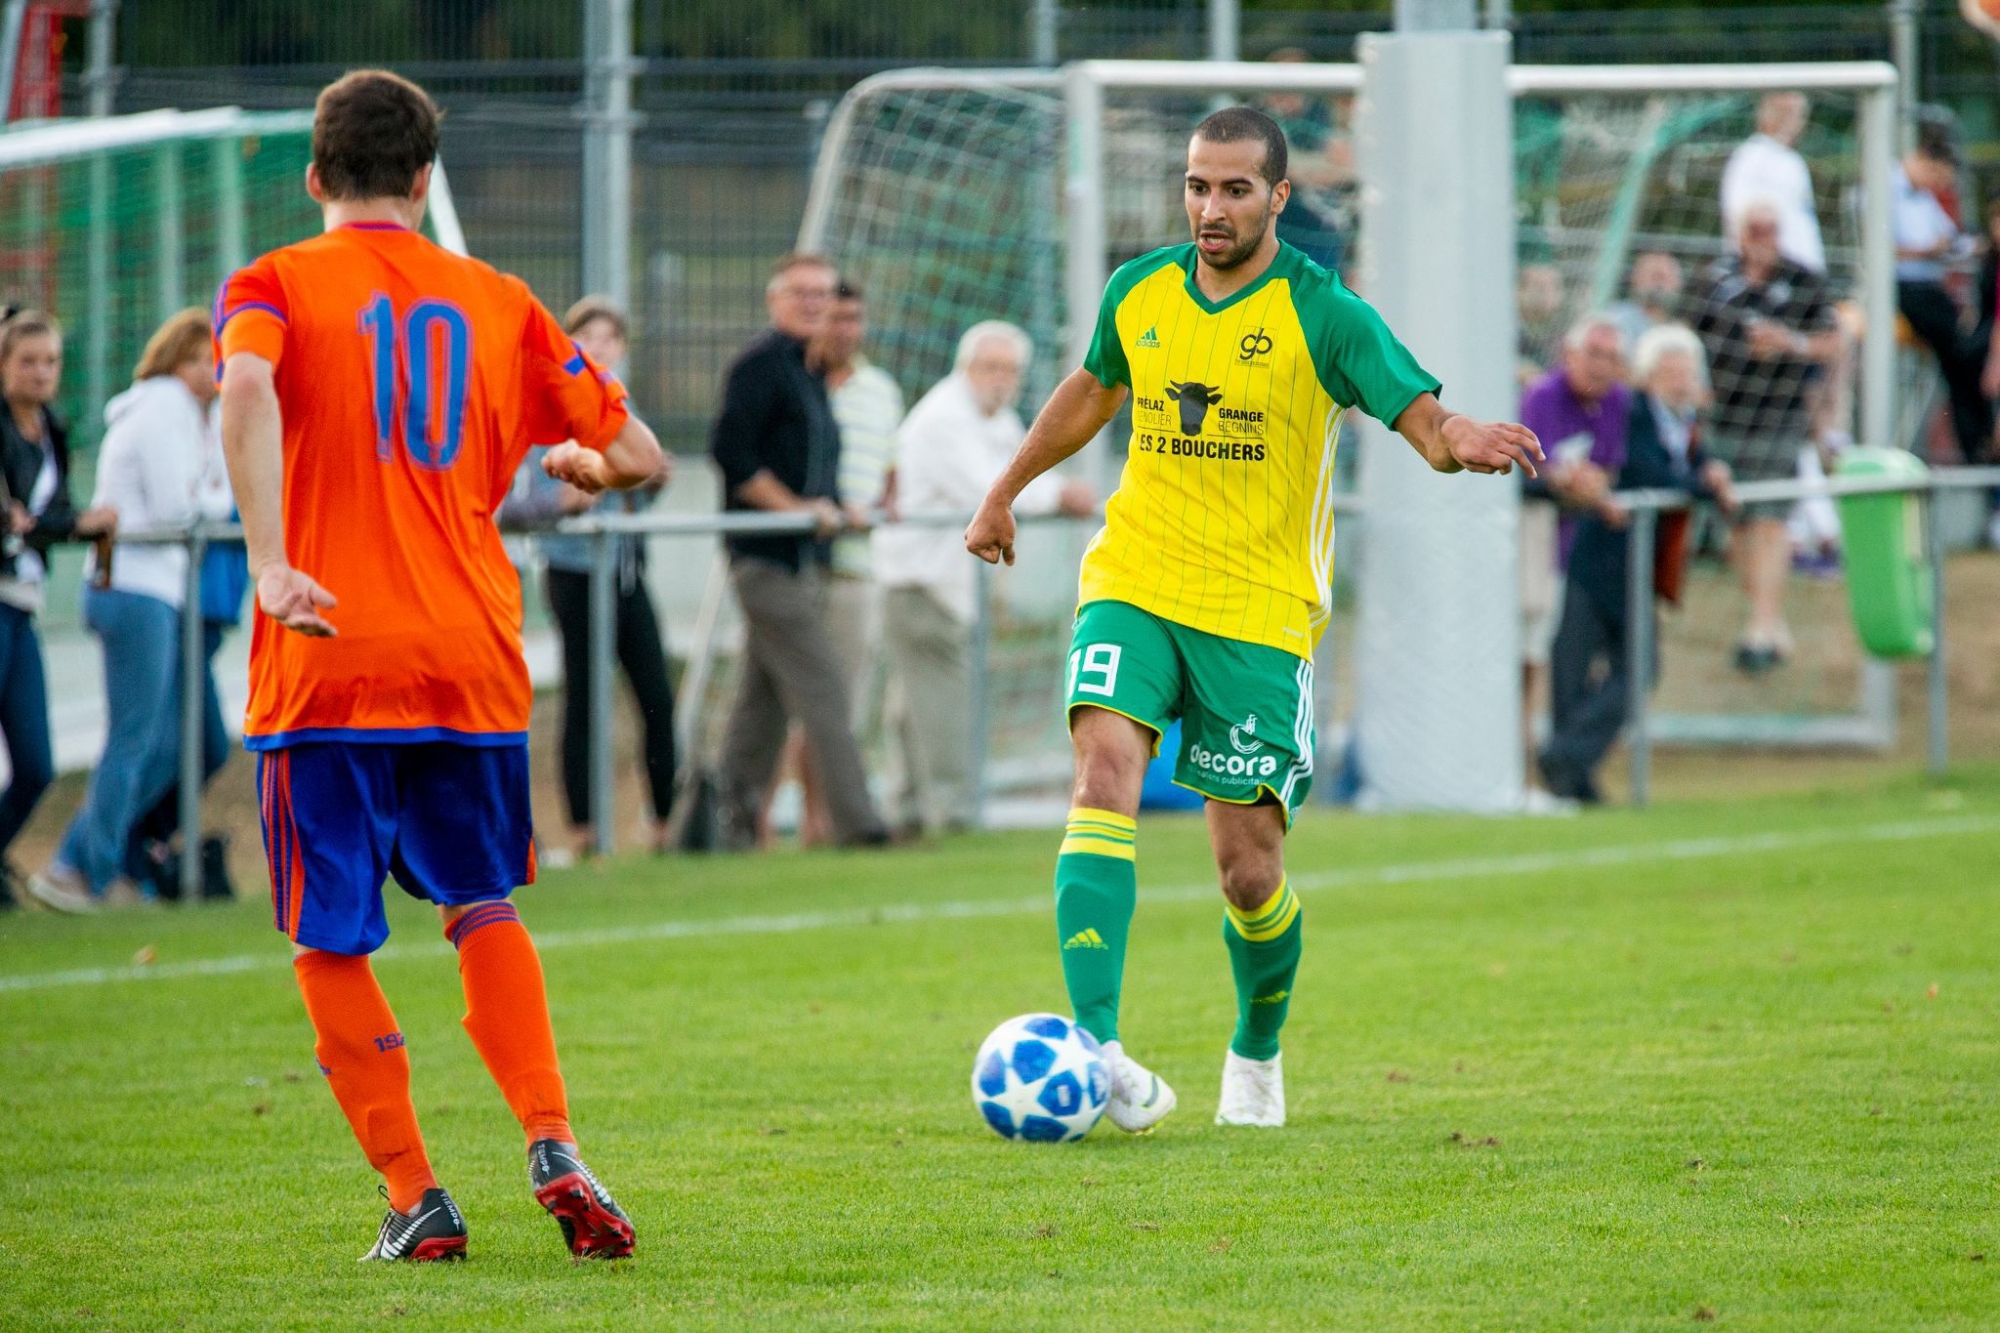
(603, 532)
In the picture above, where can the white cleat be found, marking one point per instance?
(1253, 1092)
(1140, 1099)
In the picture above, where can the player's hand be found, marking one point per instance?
(580, 467)
(991, 534)
(1492, 447)
(19, 521)
(295, 601)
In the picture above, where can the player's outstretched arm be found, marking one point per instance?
(1450, 442)
(633, 458)
(1080, 407)
(253, 445)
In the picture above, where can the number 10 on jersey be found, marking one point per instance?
(427, 356)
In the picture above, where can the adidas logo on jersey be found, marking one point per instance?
(1150, 338)
(1086, 938)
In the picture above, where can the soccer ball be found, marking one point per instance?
(1040, 1077)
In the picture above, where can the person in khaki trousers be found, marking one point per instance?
(952, 447)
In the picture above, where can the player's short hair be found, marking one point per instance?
(22, 325)
(1579, 332)
(1662, 341)
(591, 309)
(792, 259)
(373, 131)
(175, 343)
(993, 330)
(1241, 124)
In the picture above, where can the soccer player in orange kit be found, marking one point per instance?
(378, 394)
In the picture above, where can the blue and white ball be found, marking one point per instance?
(1040, 1077)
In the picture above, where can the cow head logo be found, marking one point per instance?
(1195, 399)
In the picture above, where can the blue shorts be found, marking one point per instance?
(450, 822)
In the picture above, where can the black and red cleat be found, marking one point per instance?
(593, 1226)
(430, 1232)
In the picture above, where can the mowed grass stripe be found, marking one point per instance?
(1450, 869)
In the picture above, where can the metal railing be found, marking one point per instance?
(1646, 507)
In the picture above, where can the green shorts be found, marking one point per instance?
(1246, 710)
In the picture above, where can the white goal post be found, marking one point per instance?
(949, 188)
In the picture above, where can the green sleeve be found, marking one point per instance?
(1106, 357)
(1359, 360)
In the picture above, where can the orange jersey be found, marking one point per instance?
(412, 382)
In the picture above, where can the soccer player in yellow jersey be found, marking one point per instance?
(1207, 589)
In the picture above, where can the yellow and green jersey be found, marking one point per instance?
(1223, 519)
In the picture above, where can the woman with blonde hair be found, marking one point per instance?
(157, 447)
(35, 513)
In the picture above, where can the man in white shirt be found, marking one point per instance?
(867, 408)
(953, 446)
(1926, 238)
(1767, 166)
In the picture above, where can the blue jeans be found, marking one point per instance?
(142, 638)
(24, 721)
(164, 818)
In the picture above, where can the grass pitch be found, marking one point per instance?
(1723, 1063)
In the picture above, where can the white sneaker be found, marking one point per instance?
(1253, 1092)
(1140, 1099)
(61, 889)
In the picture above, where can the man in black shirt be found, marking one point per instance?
(779, 452)
(1768, 325)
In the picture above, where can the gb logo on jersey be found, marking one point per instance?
(1256, 343)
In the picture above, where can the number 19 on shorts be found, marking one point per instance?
(1094, 670)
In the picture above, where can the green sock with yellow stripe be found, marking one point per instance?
(1097, 886)
(1264, 948)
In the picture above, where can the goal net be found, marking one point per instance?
(955, 197)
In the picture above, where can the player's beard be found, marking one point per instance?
(1242, 250)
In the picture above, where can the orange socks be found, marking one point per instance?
(507, 1016)
(361, 1053)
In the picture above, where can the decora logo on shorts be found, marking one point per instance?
(1234, 769)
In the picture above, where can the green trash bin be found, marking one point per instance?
(1887, 556)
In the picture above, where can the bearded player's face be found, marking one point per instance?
(1230, 206)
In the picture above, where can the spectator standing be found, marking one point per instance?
(867, 409)
(1591, 667)
(1765, 323)
(955, 444)
(152, 852)
(1319, 215)
(1653, 295)
(36, 512)
(778, 450)
(1768, 166)
(1538, 304)
(149, 470)
(1579, 411)
(599, 327)
(1926, 237)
